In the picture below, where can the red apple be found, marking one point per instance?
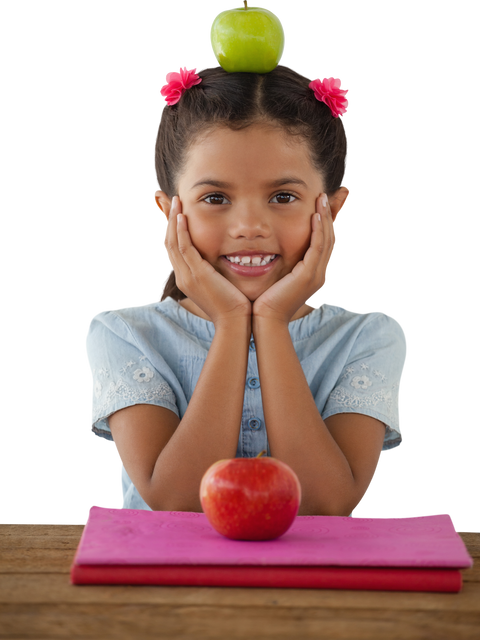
(250, 498)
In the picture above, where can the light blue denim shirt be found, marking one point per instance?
(154, 355)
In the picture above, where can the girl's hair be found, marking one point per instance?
(237, 100)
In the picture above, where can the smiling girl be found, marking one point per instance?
(233, 360)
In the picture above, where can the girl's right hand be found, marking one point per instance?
(196, 277)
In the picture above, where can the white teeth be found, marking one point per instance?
(251, 261)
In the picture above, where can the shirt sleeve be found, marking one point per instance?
(369, 382)
(122, 375)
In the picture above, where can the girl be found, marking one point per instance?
(233, 360)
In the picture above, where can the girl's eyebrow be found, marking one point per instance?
(275, 183)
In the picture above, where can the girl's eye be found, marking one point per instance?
(215, 198)
(219, 195)
(283, 198)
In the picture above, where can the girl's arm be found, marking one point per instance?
(297, 435)
(210, 427)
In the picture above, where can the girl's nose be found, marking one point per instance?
(249, 222)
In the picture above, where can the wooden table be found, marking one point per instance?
(37, 601)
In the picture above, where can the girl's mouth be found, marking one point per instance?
(248, 270)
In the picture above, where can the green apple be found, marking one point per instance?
(248, 39)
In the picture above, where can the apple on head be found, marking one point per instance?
(249, 39)
(250, 498)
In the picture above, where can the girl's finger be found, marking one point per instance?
(180, 234)
(172, 231)
(166, 239)
(181, 228)
(171, 241)
(328, 238)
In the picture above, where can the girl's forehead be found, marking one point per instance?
(263, 153)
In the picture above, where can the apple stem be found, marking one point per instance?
(245, 3)
(264, 451)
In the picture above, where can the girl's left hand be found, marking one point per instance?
(283, 299)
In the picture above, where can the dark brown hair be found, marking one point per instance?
(237, 100)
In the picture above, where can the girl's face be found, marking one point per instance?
(253, 189)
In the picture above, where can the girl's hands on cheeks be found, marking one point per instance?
(196, 277)
(283, 299)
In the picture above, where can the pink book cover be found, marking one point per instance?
(183, 544)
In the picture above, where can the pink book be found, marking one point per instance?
(130, 546)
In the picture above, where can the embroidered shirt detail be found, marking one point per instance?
(143, 375)
(346, 397)
(124, 391)
(361, 382)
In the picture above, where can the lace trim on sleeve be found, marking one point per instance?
(390, 398)
(120, 390)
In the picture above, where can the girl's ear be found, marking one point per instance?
(339, 201)
(162, 203)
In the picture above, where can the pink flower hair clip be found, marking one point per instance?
(176, 82)
(327, 89)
